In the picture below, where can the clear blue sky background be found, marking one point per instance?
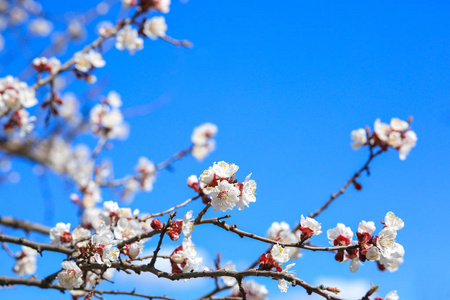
(286, 82)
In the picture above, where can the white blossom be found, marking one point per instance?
(26, 262)
(103, 236)
(201, 151)
(229, 281)
(277, 229)
(105, 28)
(86, 61)
(155, 27)
(113, 98)
(248, 193)
(409, 141)
(14, 93)
(391, 221)
(110, 254)
(40, 27)
(359, 137)
(394, 264)
(224, 170)
(368, 227)
(381, 130)
(311, 224)
(47, 64)
(224, 196)
(126, 229)
(254, 290)
(399, 125)
(26, 122)
(58, 231)
(392, 296)
(283, 233)
(354, 265)
(202, 140)
(207, 176)
(148, 172)
(279, 253)
(386, 241)
(192, 260)
(192, 180)
(373, 253)
(91, 218)
(81, 233)
(162, 5)
(339, 231)
(188, 224)
(70, 277)
(395, 139)
(282, 283)
(128, 39)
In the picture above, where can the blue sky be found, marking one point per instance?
(285, 82)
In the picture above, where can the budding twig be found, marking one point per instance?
(349, 181)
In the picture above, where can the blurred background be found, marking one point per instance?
(285, 82)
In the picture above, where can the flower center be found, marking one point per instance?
(223, 196)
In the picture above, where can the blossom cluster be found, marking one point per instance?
(224, 190)
(381, 248)
(111, 226)
(15, 96)
(184, 258)
(25, 262)
(106, 119)
(203, 140)
(129, 38)
(396, 135)
(86, 62)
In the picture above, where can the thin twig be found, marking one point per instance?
(349, 181)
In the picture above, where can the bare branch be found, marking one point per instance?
(349, 181)
(37, 246)
(25, 225)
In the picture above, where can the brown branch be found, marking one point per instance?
(241, 233)
(5, 281)
(217, 273)
(37, 246)
(161, 237)
(137, 238)
(170, 209)
(25, 225)
(349, 181)
(177, 156)
(201, 214)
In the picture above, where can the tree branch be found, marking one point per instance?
(25, 225)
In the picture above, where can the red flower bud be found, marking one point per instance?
(156, 224)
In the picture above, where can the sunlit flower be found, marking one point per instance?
(155, 27)
(70, 277)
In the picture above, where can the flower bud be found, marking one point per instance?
(191, 180)
(156, 224)
(133, 251)
(174, 236)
